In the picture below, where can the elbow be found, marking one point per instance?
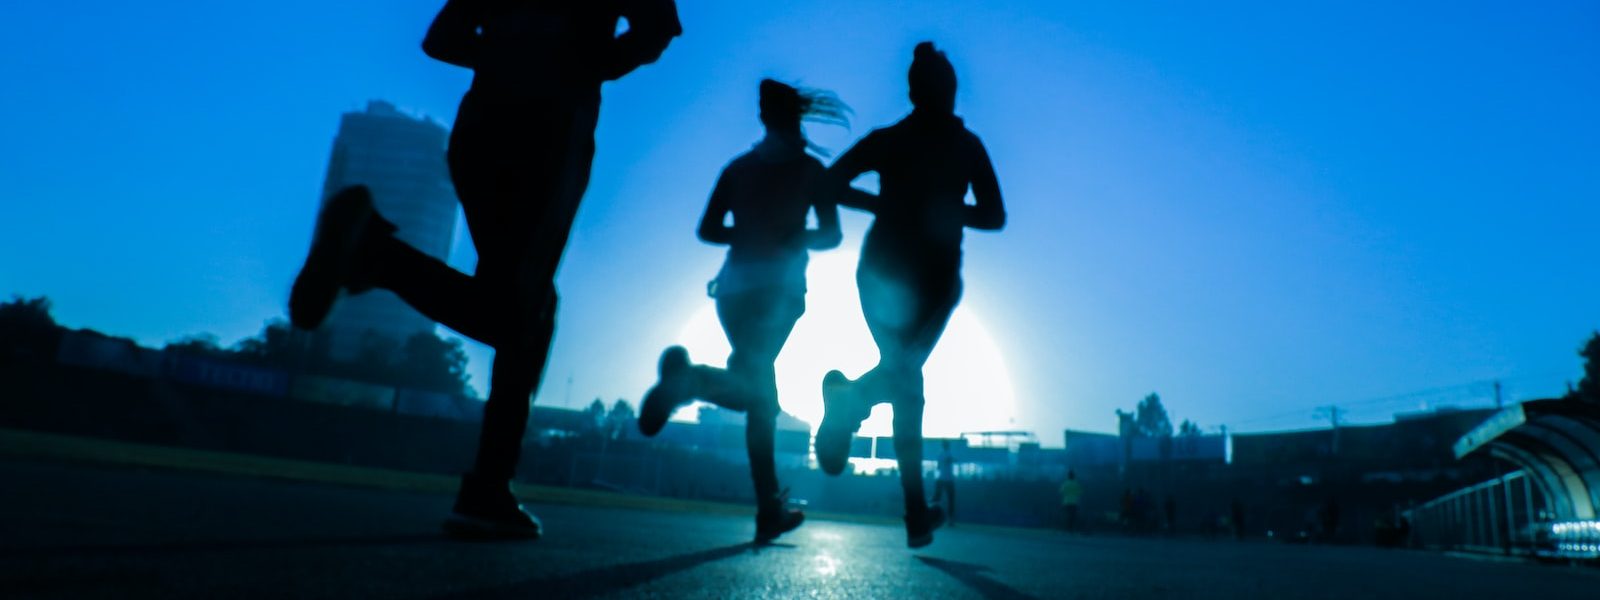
(651, 51)
(826, 240)
(438, 48)
(999, 222)
(433, 48)
(712, 235)
(631, 52)
(438, 52)
(988, 221)
(655, 35)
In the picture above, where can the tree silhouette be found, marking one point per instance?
(1589, 386)
(1150, 418)
(594, 420)
(27, 312)
(428, 362)
(424, 362)
(27, 328)
(278, 345)
(619, 419)
(1188, 428)
(198, 344)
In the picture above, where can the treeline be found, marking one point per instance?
(423, 362)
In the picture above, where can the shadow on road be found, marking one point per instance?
(973, 577)
(609, 579)
(101, 550)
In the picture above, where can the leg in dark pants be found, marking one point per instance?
(944, 494)
(519, 173)
(906, 317)
(757, 324)
(908, 449)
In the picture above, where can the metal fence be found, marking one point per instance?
(621, 473)
(1505, 515)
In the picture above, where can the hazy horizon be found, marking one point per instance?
(1252, 210)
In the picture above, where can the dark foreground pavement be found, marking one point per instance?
(74, 530)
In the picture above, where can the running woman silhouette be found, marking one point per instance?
(909, 277)
(519, 156)
(761, 290)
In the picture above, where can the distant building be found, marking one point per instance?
(402, 159)
(721, 432)
(1086, 449)
(1415, 446)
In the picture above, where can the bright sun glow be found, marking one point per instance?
(967, 386)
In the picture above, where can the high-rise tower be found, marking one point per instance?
(401, 158)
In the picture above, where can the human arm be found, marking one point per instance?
(713, 227)
(827, 235)
(989, 213)
(853, 197)
(834, 185)
(651, 26)
(453, 37)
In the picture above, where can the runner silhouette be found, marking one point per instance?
(909, 277)
(519, 156)
(761, 290)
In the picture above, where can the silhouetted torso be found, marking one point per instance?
(543, 48)
(925, 164)
(768, 192)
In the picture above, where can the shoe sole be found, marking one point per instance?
(339, 228)
(471, 528)
(768, 537)
(659, 403)
(926, 537)
(833, 438)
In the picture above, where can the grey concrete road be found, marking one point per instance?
(75, 530)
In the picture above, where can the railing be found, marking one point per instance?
(631, 474)
(1505, 515)
(1496, 516)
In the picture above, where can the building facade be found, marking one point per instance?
(401, 158)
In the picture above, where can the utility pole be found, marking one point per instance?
(1333, 414)
(1227, 446)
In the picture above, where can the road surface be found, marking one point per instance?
(71, 529)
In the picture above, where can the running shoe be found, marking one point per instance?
(670, 392)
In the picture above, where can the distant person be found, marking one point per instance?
(1141, 510)
(909, 277)
(519, 157)
(1071, 497)
(1328, 519)
(944, 487)
(1125, 508)
(1236, 518)
(761, 290)
(1169, 509)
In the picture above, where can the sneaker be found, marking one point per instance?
(488, 510)
(919, 528)
(776, 518)
(770, 525)
(345, 222)
(839, 424)
(669, 393)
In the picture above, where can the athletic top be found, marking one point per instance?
(769, 191)
(1071, 492)
(542, 49)
(925, 164)
(947, 467)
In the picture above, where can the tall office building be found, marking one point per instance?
(401, 158)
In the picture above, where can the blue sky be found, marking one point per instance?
(1252, 208)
